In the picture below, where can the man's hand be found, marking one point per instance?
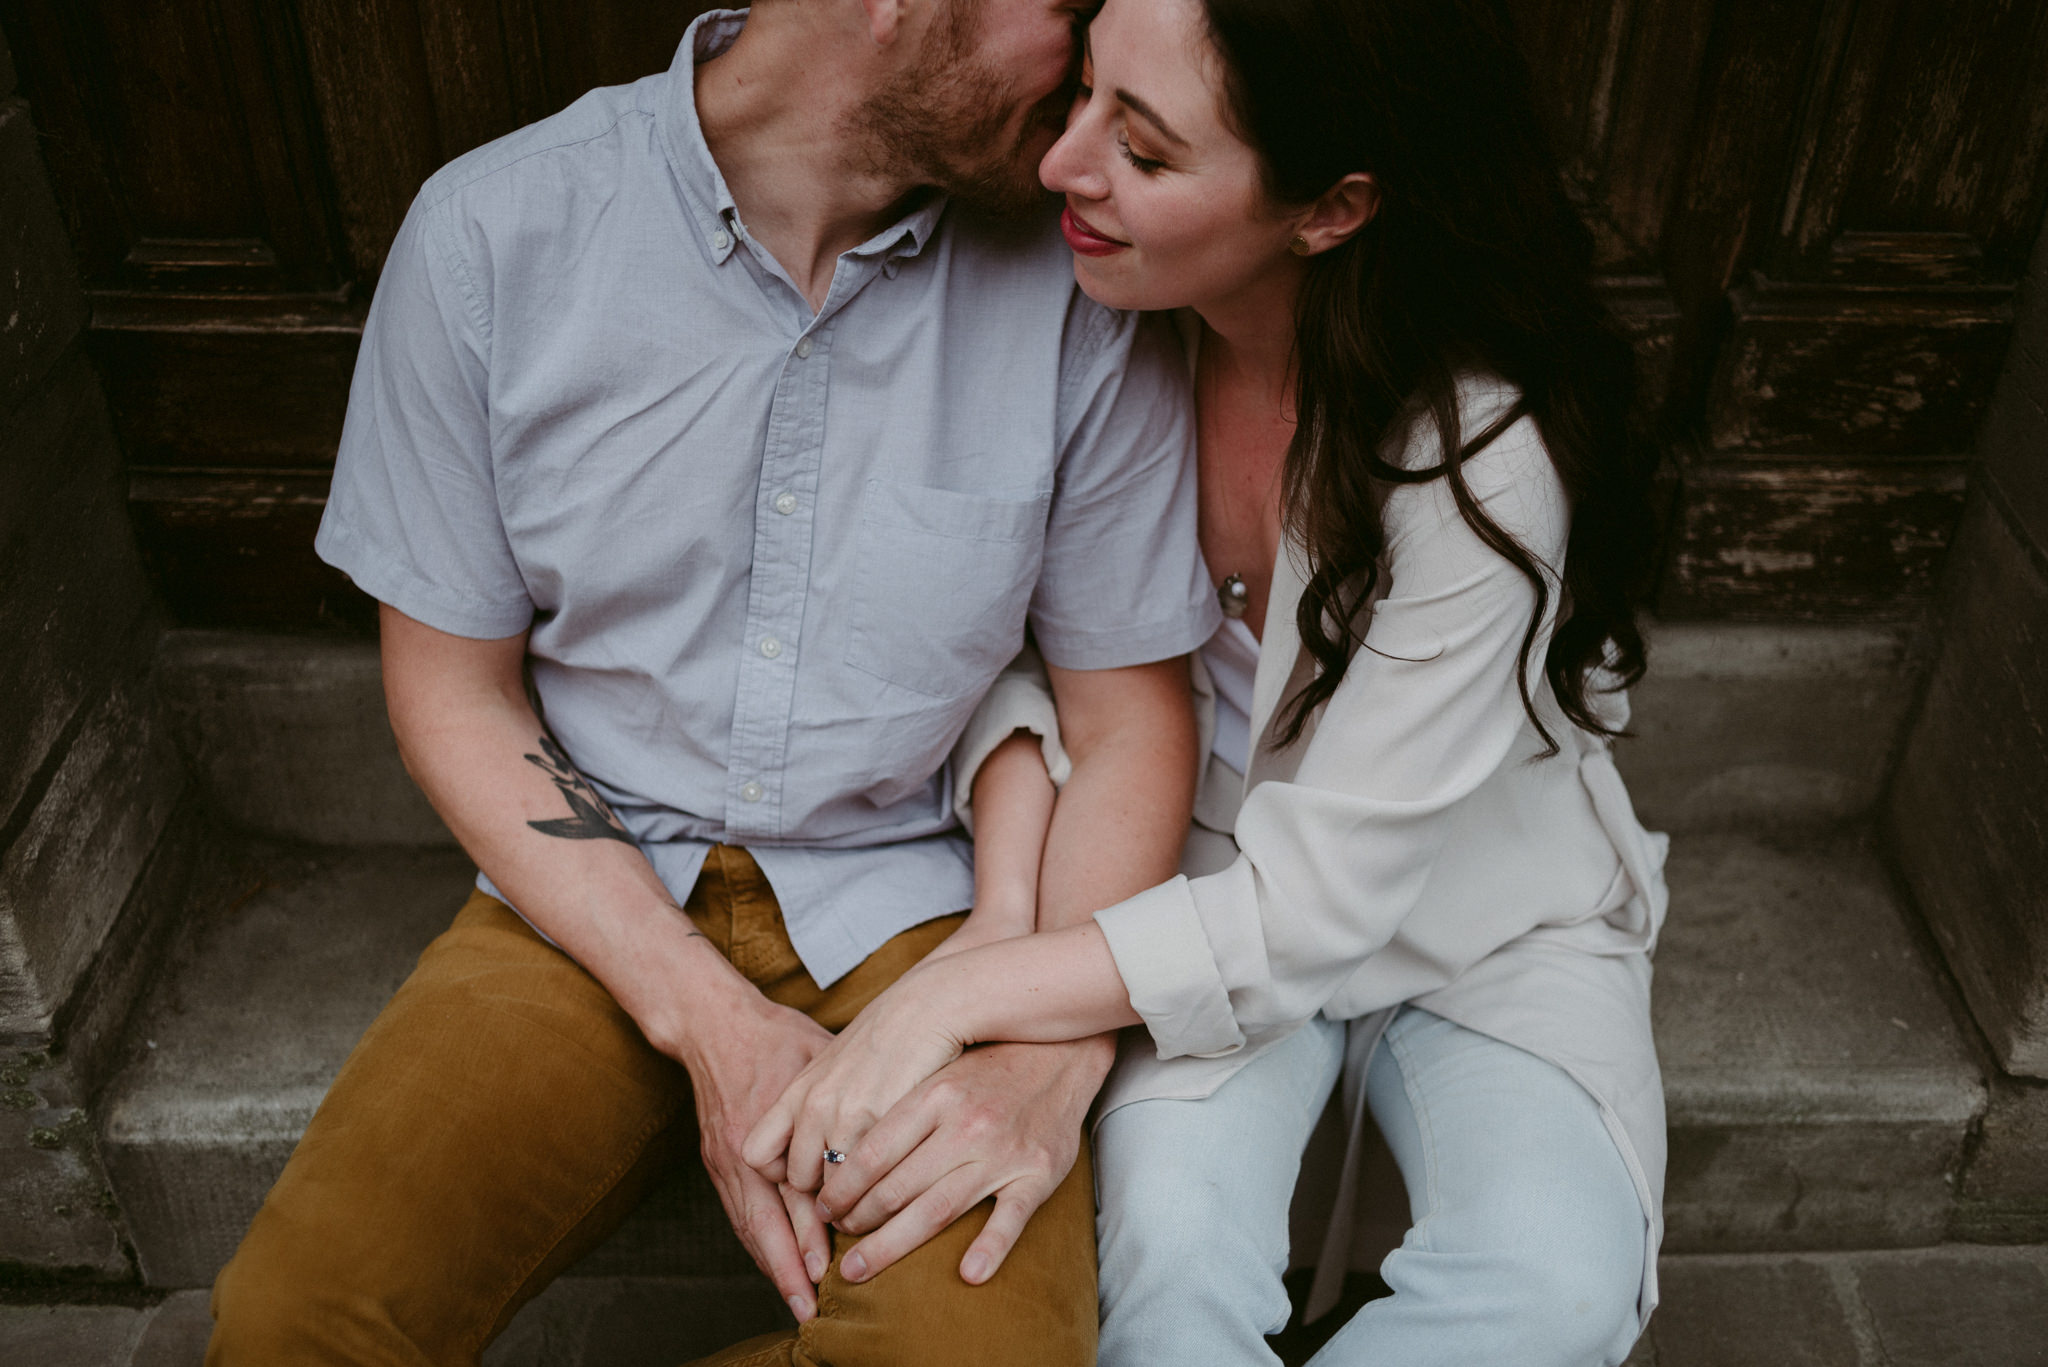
(1002, 1120)
(757, 1049)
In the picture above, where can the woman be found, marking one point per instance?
(1414, 866)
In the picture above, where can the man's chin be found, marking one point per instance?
(1011, 188)
(1013, 193)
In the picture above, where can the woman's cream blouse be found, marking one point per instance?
(1416, 843)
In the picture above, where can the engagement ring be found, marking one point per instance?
(834, 1156)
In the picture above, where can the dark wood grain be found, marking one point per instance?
(1784, 539)
(1809, 217)
(1831, 371)
(368, 68)
(237, 551)
(212, 383)
(1904, 137)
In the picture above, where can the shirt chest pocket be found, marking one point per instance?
(942, 581)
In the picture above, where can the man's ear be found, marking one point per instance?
(1340, 213)
(884, 17)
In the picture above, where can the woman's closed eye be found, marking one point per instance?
(1146, 165)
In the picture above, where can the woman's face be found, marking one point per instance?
(1164, 202)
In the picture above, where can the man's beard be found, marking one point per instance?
(946, 127)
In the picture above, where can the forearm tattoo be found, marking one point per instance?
(695, 934)
(590, 818)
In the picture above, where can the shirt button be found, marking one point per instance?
(785, 503)
(803, 348)
(752, 791)
(770, 647)
(721, 239)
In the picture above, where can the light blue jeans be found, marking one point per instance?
(1527, 1246)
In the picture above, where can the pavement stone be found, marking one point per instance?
(1957, 1308)
(1958, 1305)
(1719, 1313)
(176, 1333)
(69, 1335)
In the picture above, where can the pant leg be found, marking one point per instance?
(1527, 1245)
(1195, 1196)
(500, 1116)
(1039, 1308)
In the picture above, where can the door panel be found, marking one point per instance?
(1810, 215)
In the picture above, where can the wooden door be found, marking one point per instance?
(1812, 215)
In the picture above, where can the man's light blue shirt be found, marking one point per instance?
(769, 559)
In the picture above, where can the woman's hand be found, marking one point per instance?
(901, 1039)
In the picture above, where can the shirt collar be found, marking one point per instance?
(704, 188)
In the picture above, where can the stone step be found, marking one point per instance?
(1821, 1093)
(1958, 1305)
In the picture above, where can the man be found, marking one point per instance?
(708, 466)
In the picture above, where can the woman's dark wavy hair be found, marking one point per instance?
(1475, 262)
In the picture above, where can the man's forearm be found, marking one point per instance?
(517, 804)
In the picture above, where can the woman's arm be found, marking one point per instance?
(1046, 988)
(1013, 799)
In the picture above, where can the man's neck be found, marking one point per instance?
(776, 112)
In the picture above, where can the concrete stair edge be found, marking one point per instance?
(1802, 1115)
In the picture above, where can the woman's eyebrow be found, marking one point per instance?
(1151, 116)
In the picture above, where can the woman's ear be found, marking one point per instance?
(1340, 213)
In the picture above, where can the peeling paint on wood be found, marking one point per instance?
(1857, 370)
(1789, 539)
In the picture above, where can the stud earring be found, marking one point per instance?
(1298, 245)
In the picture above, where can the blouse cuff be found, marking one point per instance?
(1019, 700)
(1160, 949)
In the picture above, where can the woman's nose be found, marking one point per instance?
(1068, 169)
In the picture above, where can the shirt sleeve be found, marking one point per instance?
(413, 514)
(1122, 581)
(1333, 861)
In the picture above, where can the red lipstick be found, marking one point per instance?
(1084, 239)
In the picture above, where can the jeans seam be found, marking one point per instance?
(1403, 1056)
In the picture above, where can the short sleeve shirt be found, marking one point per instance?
(768, 559)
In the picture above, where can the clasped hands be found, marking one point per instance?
(929, 1127)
